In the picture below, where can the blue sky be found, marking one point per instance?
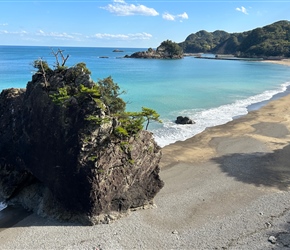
(124, 23)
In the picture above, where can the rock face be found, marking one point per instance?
(55, 161)
(183, 120)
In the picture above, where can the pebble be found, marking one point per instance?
(174, 232)
(272, 239)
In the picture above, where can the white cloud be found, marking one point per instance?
(3, 24)
(22, 32)
(56, 35)
(171, 17)
(243, 10)
(136, 36)
(168, 17)
(183, 16)
(121, 8)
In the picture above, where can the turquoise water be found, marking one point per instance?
(211, 92)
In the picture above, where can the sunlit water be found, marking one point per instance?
(210, 92)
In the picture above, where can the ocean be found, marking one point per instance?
(210, 92)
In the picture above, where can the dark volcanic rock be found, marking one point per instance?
(183, 120)
(55, 161)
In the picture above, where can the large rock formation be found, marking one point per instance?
(166, 50)
(57, 160)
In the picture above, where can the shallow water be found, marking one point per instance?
(210, 92)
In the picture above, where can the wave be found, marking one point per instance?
(171, 132)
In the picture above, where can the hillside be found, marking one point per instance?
(269, 41)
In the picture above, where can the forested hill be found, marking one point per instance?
(269, 41)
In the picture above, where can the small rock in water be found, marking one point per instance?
(272, 239)
(183, 120)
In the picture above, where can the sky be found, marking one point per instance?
(124, 23)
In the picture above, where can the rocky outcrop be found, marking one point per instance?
(149, 54)
(166, 50)
(57, 162)
(183, 120)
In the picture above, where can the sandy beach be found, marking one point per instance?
(225, 188)
(282, 62)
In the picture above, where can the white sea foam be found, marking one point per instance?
(171, 132)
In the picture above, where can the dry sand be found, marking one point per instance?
(226, 188)
(283, 62)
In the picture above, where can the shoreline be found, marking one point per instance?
(223, 187)
(254, 109)
(285, 62)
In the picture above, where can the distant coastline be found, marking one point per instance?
(282, 61)
(228, 57)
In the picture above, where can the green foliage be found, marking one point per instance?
(97, 120)
(93, 92)
(121, 132)
(150, 115)
(61, 96)
(203, 41)
(171, 47)
(101, 171)
(83, 67)
(109, 94)
(61, 68)
(270, 40)
(105, 94)
(41, 66)
(93, 158)
(81, 94)
(131, 161)
(131, 123)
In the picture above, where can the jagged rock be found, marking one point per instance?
(53, 160)
(183, 120)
